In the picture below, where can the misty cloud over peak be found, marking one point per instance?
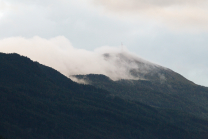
(58, 53)
(131, 66)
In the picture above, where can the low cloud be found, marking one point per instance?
(58, 53)
(114, 62)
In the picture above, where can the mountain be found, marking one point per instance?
(152, 85)
(38, 102)
(135, 68)
(185, 97)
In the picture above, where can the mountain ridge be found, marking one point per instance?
(139, 69)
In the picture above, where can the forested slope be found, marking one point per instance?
(187, 97)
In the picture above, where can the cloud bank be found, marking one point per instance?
(114, 62)
(59, 54)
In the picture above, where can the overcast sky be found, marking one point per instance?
(171, 33)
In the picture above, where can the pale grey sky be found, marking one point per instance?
(171, 33)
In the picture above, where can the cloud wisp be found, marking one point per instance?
(178, 15)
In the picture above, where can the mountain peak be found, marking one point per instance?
(133, 67)
(125, 65)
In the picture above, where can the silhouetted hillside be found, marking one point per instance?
(38, 102)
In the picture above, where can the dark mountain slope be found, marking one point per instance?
(187, 97)
(38, 102)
